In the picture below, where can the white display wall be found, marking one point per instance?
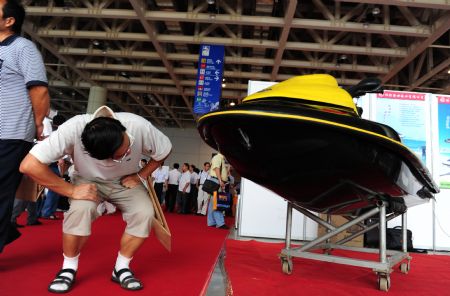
(187, 146)
(263, 214)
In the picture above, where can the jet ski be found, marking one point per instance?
(304, 139)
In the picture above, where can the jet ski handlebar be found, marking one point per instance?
(367, 85)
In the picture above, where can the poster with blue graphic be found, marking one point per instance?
(209, 78)
(405, 112)
(444, 140)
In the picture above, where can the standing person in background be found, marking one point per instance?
(184, 187)
(142, 163)
(172, 189)
(193, 194)
(52, 198)
(159, 176)
(219, 172)
(202, 197)
(24, 102)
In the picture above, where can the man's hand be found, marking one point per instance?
(86, 192)
(39, 132)
(130, 181)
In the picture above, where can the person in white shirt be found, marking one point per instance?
(192, 205)
(106, 148)
(202, 197)
(160, 176)
(184, 187)
(172, 188)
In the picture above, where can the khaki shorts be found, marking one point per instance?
(135, 205)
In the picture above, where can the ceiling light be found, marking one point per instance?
(210, 1)
(232, 103)
(224, 85)
(448, 71)
(96, 43)
(376, 11)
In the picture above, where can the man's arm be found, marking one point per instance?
(40, 101)
(133, 180)
(219, 177)
(185, 187)
(42, 174)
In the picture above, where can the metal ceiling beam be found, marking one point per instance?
(441, 26)
(166, 90)
(230, 60)
(140, 8)
(290, 12)
(168, 109)
(146, 109)
(435, 4)
(439, 68)
(179, 71)
(28, 28)
(238, 42)
(247, 20)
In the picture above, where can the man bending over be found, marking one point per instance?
(106, 148)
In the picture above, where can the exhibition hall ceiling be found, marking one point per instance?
(145, 52)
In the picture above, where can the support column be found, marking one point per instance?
(97, 98)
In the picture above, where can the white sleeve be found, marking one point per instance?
(59, 143)
(155, 143)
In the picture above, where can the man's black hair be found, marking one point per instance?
(206, 163)
(13, 8)
(176, 166)
(58, 120)
(102, 137)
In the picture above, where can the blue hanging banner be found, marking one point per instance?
(209, 78)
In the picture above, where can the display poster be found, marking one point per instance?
(364, 103)
(405, 112)
(444, 140)
(209, 78)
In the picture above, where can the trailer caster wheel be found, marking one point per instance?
(286, 266)
(384, 282)
(405, 267)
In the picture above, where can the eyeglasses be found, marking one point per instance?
(122, 158)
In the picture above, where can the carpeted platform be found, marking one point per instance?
(254, 269)
(30, 263)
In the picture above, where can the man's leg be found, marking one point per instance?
(19, 206)
(138, 213)
(76, 230)
(171, 196)
(11, 154)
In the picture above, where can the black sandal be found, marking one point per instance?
(127, 280)
(60, 279)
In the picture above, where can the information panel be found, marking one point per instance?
(444, 140)
(209, 78)
(405, 112)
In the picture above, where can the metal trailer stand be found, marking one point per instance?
(387, 258)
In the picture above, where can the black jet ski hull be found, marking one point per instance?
(323, 161)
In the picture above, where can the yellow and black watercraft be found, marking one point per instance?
(305, 140)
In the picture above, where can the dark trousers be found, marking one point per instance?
(52, 198)
(193, 198)
(183, 202)
(159, 190)
(11, 154)
(171, 196)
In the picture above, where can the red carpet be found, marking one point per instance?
(31, 262)
(254, 269)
